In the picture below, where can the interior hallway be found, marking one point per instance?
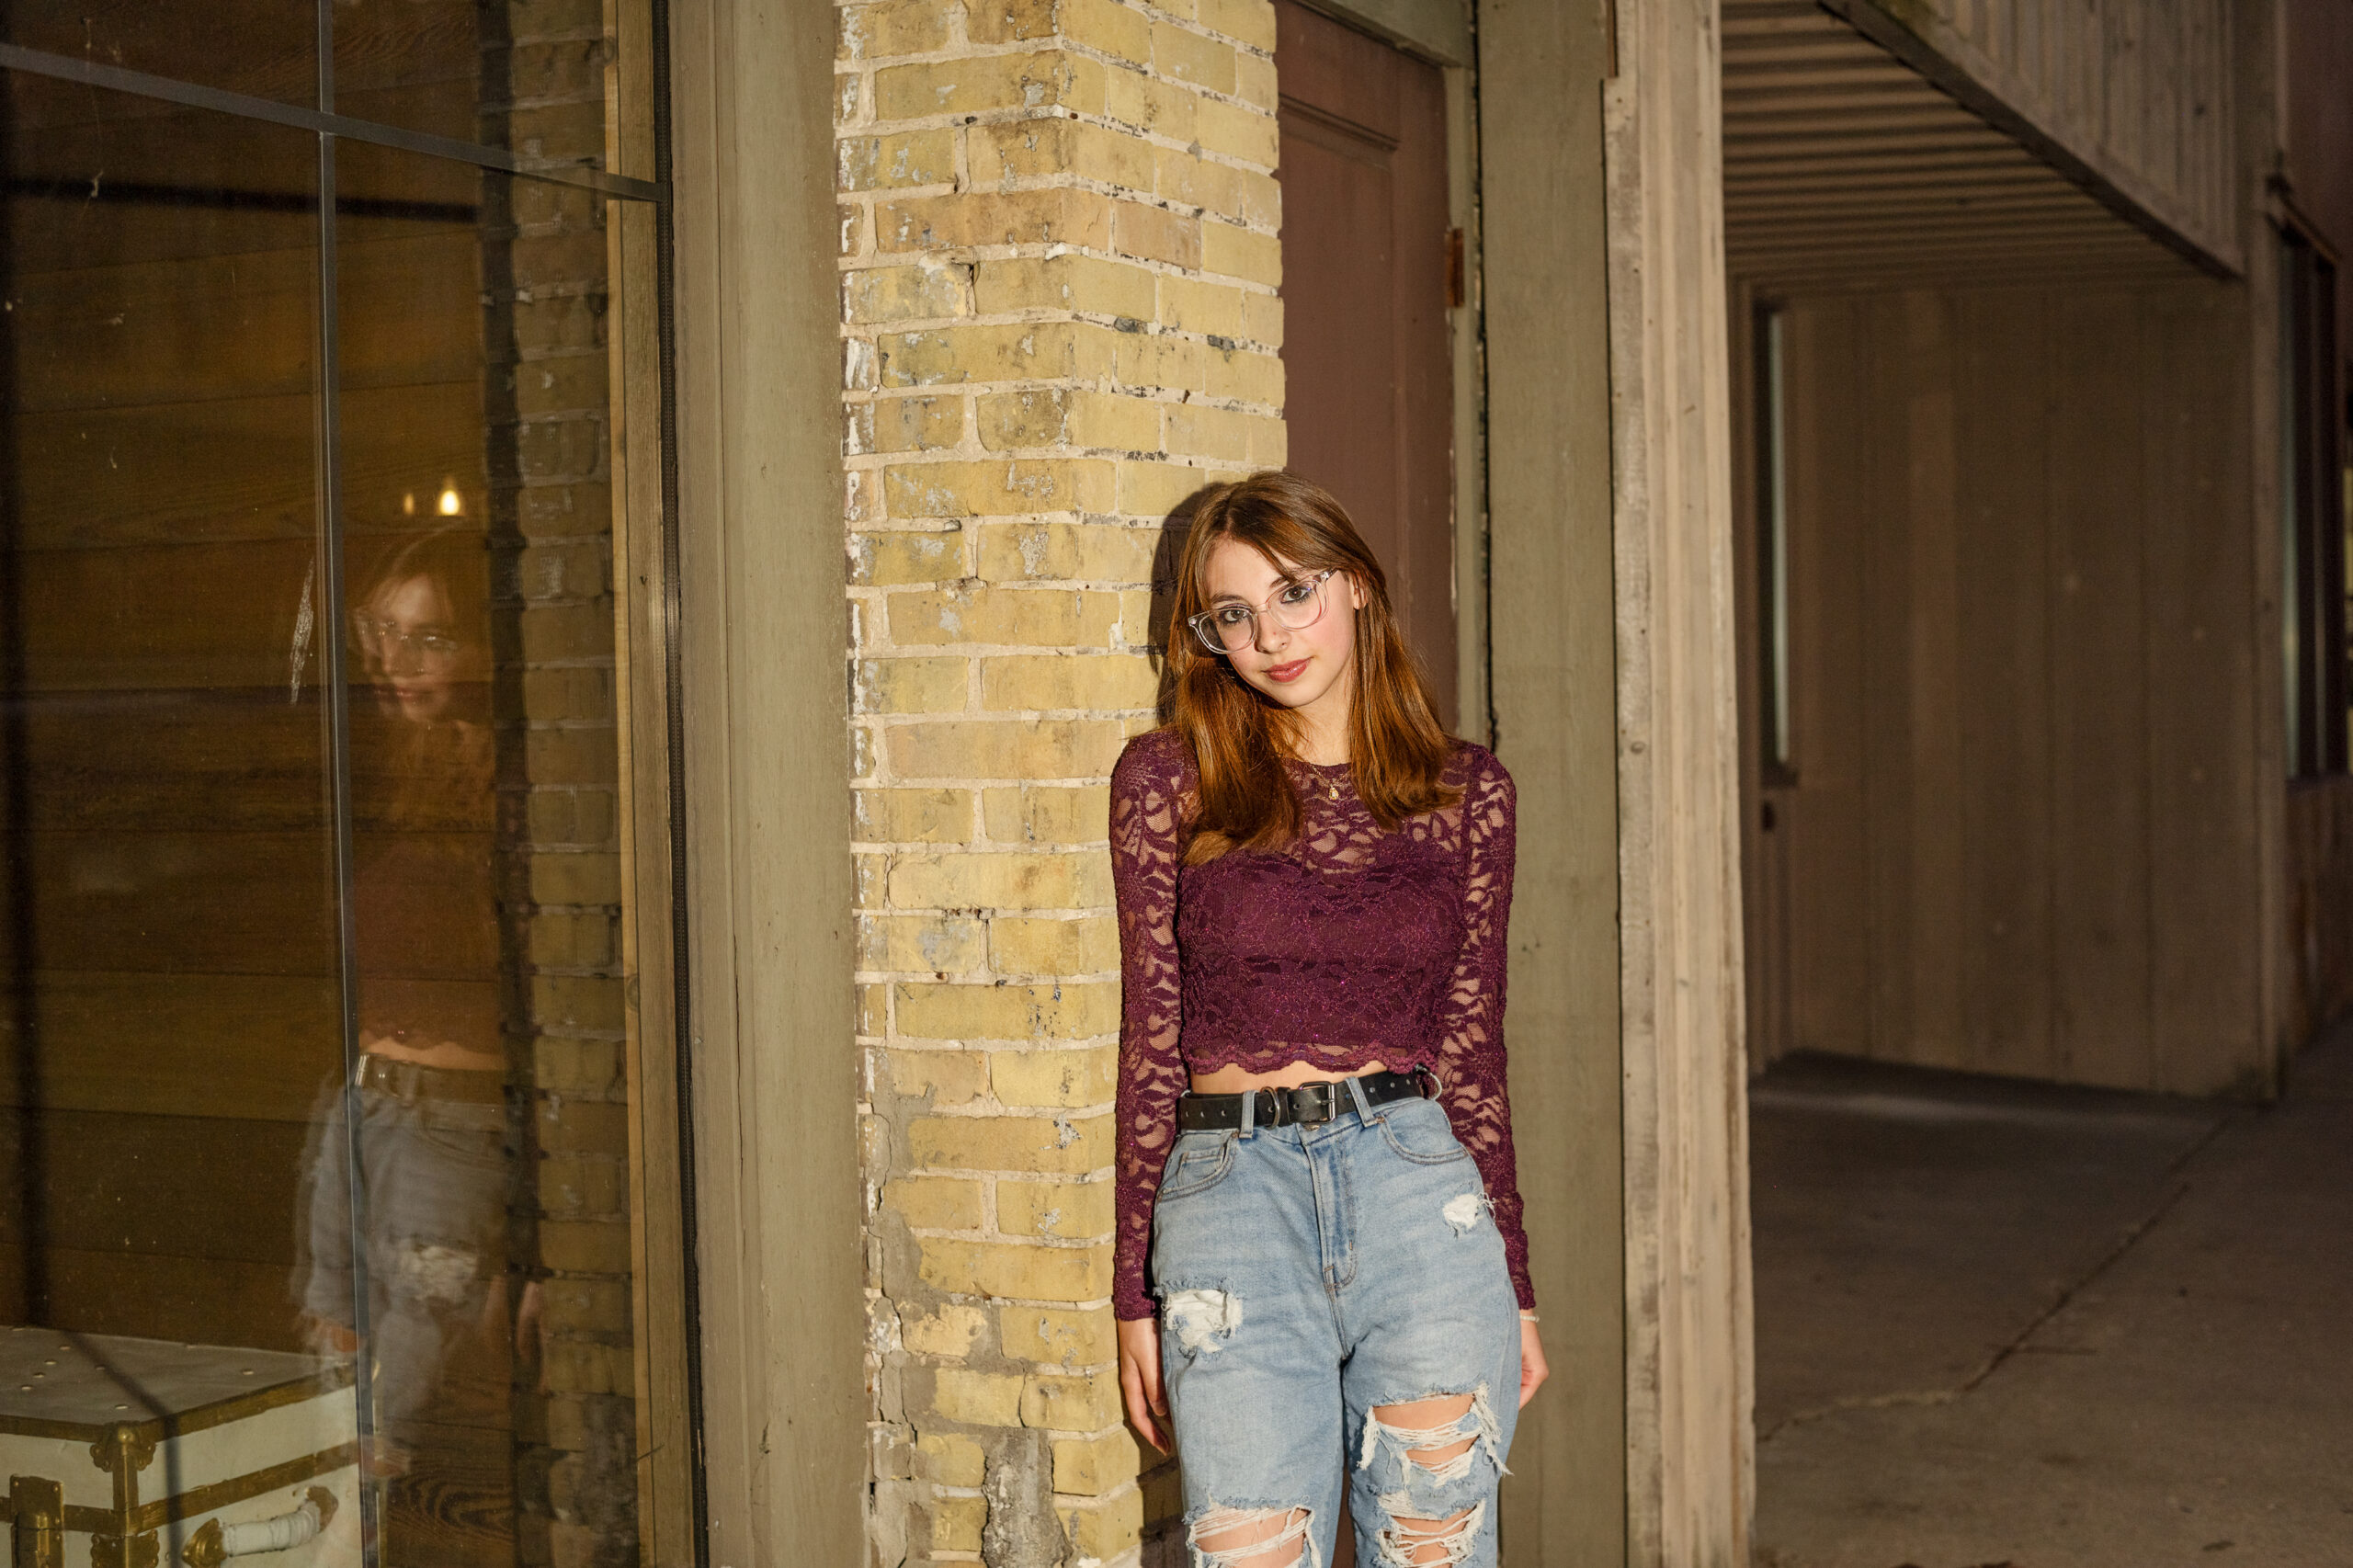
(2003, 1323)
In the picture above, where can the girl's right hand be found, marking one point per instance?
(1140, 1380)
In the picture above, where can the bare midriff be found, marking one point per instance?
(1237, 1081)
(443, 1054)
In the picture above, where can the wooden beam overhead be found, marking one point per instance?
(1845, 167)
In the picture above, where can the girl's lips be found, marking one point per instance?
(1286, 672)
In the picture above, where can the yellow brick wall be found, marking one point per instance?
(1059, 274)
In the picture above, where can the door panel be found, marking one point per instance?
(1370, 387)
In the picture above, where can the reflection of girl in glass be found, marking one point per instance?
(436, 1144)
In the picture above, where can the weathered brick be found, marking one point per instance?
(1062, 1337)
(1158, 361)
(1137, 98)
(1180, 54)
(1022, 1271)
(1025, 148)
(1065, 1146)
(1156, 233)
(912, 816)
(886, 560)
(1262, 319)
(1044, 813)
(1255, 81)
(1247, 135)
(1038, 616)
(879, 294)
(913, 424)
(1005, 748)
(1071, 1402)
(1062, 215)
(1191, 305)
(950, 1329)
(1180, 176)
(1040, 351)
(1241, 253)
(962, 1394)
(1009, 21)
(1087, 552)
(1071, 1010)
(1034, 681)
(1004, 488)
(937, 944)
(938, 1203)
(991, 81)
(950, 1077)
(1252, 21)
(1022, 945)
(896, 26)
(1242, 376)
(1107, 1528)
(909, 686)
(1155, 490)
(956, 1523)
(885, 163)
(1088, 1467)
(1073, 283)
(1198, 429)
(1005, 880)
(1051, 416)
(953, 1459)
(1111, 28)
(1065, 1079)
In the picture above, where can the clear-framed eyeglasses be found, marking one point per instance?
(380, 638)
(1230, 628)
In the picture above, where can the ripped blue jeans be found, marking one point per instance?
(1308, 1278)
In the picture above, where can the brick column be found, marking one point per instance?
(1058, 233)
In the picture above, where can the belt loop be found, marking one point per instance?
(1356, 1093)
(1249, 1111)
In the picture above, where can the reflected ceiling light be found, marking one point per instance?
(408, 505)
(451, 506)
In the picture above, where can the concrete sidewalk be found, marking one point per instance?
(2003, 1323)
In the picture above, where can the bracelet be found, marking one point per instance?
(1527, 1315)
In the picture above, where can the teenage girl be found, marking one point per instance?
(1320, 1269)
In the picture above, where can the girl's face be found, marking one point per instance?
(413, 648)
(1299, 668)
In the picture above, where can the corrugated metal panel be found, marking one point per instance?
(1845, 167)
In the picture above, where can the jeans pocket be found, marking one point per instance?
(1418, 1130)
(1196, 1167)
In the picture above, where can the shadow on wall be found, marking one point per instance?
(1165, 559)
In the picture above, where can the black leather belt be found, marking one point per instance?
(1307, 1105)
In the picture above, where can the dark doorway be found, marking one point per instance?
(1369, 383)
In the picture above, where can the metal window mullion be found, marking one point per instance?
(335, 695)
(322, 120)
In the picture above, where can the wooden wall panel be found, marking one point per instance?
(2001, 391)
(2022, 837)
(2099, 698)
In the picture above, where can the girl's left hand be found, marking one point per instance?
(1532, 1370)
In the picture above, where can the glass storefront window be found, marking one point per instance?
(324, 1241)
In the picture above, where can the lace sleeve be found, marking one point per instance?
(1147, 838)
(1470, 1018)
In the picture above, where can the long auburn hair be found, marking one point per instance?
(1239, 737)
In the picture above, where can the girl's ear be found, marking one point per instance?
(1355, 591)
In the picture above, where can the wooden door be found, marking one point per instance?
(1369, 380)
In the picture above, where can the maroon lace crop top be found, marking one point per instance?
(1352, 946)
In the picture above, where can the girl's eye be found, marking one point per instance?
(1297, 594)
(1233, 614)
